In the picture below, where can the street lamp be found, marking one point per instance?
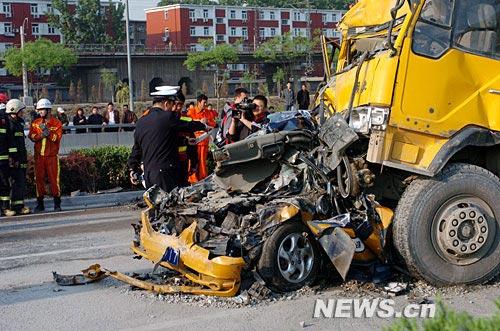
(129, 58)
(26, 99)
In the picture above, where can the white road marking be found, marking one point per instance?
(63, 251)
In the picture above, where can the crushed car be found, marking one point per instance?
(281, 204)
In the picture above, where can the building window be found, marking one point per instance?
(244, 32)
(192, 31)
(34, 9)
(35, 29)
(206, 31)
(272, 16)
(324, 18)
(7, 28)
(7, 9)
(334, 17)
(233, 31)
(220, 20)
(244, 15)
(191, 14)
(261, 15)
(49, 10)
(262, 32)
(220, 37)
(273, 32)
(284, 22)
(296, 16)
(232, 14)
(167, 33)
(193, 48)
(51, 30)
(165, 15)
(205, 13)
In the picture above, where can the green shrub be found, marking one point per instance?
(111, 165)
(446, 319)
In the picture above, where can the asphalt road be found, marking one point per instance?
(31, 248)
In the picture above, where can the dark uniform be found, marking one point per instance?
(4, 162)
(156, 145)
(188, 154)
(18, 163)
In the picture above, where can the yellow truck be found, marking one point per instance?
(419, 81)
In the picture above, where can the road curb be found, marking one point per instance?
(90, 201)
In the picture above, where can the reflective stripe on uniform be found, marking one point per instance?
(24, 166)
(4, 157)
(13, 150)
(183, 149)
(19, 134)
(54, 138)
(186, 119)
(3, 130)
(4, 198)
(42, 150)
(18, 202)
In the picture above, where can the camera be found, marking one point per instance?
(247, 107)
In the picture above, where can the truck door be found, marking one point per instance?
(452, 76)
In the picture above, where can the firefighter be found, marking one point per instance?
(46, 133)
(188, 154)
(156, 143)
(18, 158)
(200, 112)
(4, 161)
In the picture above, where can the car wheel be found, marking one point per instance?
(446, 228)
(289, 259)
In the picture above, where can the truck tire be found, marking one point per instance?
(290, 258)
(446, 228)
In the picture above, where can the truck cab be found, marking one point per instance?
(419, 81)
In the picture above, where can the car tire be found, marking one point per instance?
(439, 225)
(286, 267)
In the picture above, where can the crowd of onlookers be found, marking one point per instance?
(109, 121)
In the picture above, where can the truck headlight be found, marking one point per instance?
(364, 119)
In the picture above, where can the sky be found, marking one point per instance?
(137, 8)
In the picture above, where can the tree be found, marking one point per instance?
(87, 24)
(38, 56)
(248, 79)
(285, 50)
(213, 58)
(79, 91)
(72, 91)
(122, 92)
(109, 81)
(94, 94)
(279, 77)
(144, 90)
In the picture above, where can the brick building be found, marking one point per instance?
(181, 26)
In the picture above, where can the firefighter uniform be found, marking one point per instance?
(4, 162)
(46, 133)
(188, 154)
(156, 143)
(18, 164)
(210, 116)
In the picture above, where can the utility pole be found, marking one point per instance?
(26, 99)
(129, 59)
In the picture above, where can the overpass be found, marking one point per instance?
(151, 65)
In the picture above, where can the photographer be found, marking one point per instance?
(248, 117)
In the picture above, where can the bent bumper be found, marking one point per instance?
(216, 276)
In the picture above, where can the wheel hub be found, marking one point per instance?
(295, 258)
(462, 231)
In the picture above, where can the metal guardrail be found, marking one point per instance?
(104, 49)
(98, 128)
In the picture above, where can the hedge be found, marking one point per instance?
(89, 170)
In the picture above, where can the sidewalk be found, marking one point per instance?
(90, 201)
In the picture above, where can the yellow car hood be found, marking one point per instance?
(371, 13)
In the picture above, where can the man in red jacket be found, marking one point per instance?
(46, 133)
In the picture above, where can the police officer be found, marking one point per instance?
(156, 141)
(4, 161)
(18, 157)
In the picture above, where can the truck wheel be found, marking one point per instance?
(289, 259)
(446, 228)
